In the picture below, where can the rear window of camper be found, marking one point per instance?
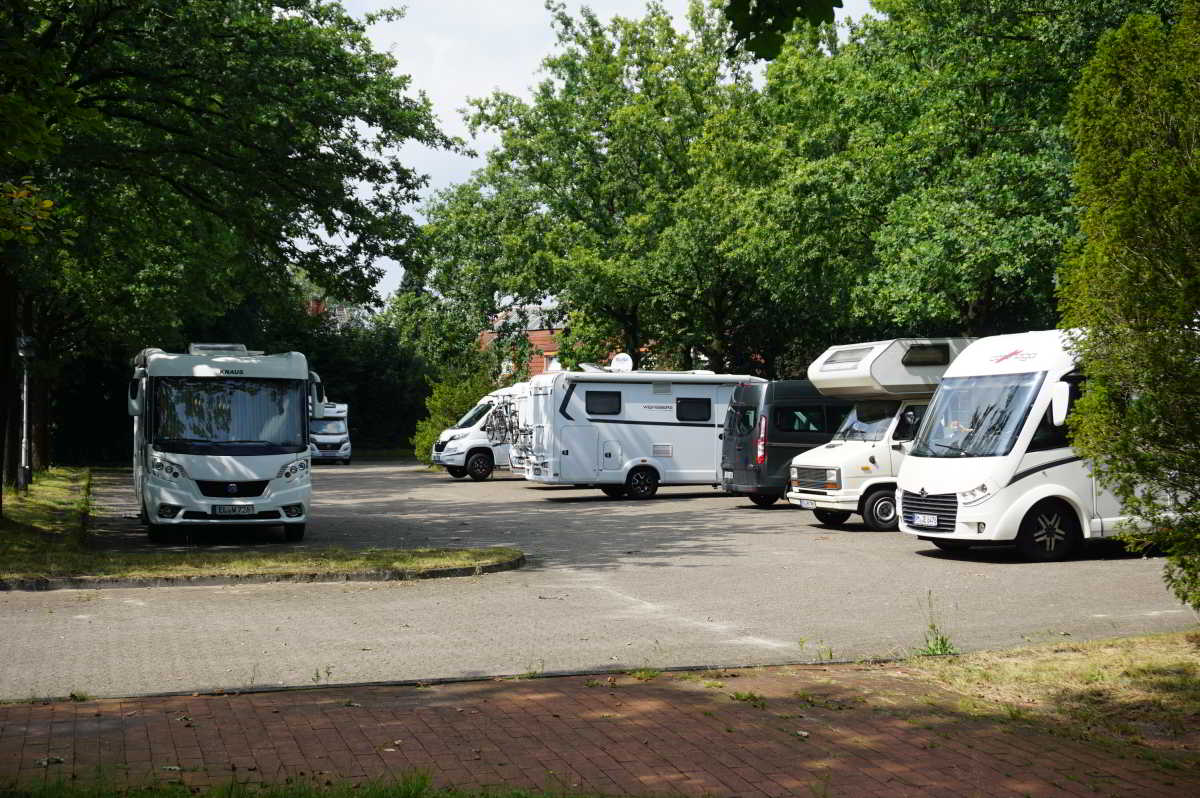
(927, 355)
(603, 403)
(693, 409)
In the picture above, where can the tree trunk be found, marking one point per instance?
(12, 441)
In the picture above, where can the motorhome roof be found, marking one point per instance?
(693, 377)
(1040, 350)
(893, 368)
(287, 365)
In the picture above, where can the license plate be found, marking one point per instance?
(922, 519)
(233, 509)
(728, 475)
(808, 504)
(437, 458)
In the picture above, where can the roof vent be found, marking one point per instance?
(206, 349)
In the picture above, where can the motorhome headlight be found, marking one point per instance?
(457, 436)
(165, 469)
(974, 495)
(833, 479)
(296, 468)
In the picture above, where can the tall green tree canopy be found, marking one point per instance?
(1132, 288)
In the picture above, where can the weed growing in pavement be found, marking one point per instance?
(753, 699)
(79, 695)
(714, 685)
(534, 672)
(645, 674)
(937, 643)
(593, 683)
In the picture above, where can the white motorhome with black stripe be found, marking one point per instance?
(627, 432)
(992, 461)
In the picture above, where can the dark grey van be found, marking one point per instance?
(767, 425)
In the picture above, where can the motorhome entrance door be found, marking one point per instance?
(577, 453)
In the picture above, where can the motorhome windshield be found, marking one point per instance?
(977, 416)
(329, 426)
(867, 421)
(473, 415)
(219, 415)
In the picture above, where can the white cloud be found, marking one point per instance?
(458, 49)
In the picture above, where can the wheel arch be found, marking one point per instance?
(870, 487)
(1016, 513)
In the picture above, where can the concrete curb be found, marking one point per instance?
(384, 575)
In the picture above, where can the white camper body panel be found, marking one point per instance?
(187, 480)
(885, 369)
(856, 473)
(948, 495)
(595, 428)
(455, 445)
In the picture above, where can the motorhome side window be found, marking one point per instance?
(1047, 436)
(808, 418)
(693, 409)
(910, 420)
(603, 403)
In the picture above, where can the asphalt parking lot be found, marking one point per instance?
(689, 578)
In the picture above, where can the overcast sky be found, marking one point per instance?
(456, 49)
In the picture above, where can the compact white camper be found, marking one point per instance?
(468, 448)
(890, 383)
(992, 462)
(329, 437)
(220, 436)
(627, 432)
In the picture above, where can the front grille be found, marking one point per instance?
(943, 505)
(804, 477)
(261, 515)
(440, 446)
(328, 447)
(242, 490)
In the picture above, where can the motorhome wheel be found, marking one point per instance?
(158, 533)
(346, 461)
(479, 466)
(879, 510)
(642, 483)
(293, 533)
(1049, 533)
(764, 499)
(832, 517)
(613, 491)
(458, 472)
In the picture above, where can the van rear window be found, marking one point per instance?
(603, 403)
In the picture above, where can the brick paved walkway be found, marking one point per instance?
(838, 731)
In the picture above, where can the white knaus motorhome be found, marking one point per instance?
(220, 435)
(991, 461)
(890, 383)
(628, 432)
(469, 448)
(329, 437)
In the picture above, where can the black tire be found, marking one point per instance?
(346, 461)
(642, 483)
(158, 533)
(479, 466)
(879, 510)
(294, 533)
(832, 517)
(613, 491)
(458, 472)
(764, 499)
(951, 545)
(1049, 533)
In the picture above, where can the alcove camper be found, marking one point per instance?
(992, 460)
(890, 383)
(220, 435)
(627, 432)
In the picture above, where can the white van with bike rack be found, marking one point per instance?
(470, 447)
(992, 461)
(890, 383)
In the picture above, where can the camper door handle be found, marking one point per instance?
(720, 436)
(608, 454)
(566, 451)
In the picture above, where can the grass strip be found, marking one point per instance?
(1142, 690)
(41, 537)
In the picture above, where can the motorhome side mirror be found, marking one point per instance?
(315, 405)
(1060, 401)
(135, 397)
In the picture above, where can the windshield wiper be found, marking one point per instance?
(952, 447)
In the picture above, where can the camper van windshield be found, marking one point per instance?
(218, 415)
(977, 416)
(868, 421)
(473, 415)
(328, 426)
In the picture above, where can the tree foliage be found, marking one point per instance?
(760, 25)
(1132, 287)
